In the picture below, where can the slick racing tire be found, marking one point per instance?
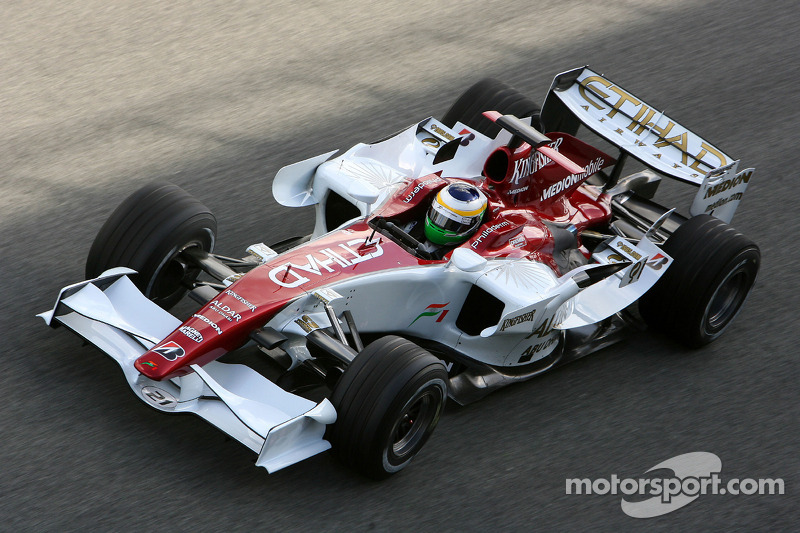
(147, 232)
(491, 95)
(388, 402)
(713, 271)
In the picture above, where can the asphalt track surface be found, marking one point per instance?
(99, 98)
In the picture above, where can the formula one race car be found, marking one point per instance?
(452, 258)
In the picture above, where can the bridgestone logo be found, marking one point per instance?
(572, 179)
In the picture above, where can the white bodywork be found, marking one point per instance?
(384, 166)
(545, 303)
(424, 302)
(282, 428)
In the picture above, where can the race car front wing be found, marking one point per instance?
(111, 313)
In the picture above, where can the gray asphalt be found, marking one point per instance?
(99, 98)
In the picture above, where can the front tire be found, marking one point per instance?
(147, 232)
(713, 271)
(388, 403)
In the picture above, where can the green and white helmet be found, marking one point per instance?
(455, 214)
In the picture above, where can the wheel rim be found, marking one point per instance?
(727, 298)
(415, 423)
(170, 276)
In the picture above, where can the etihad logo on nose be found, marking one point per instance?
(324, 261)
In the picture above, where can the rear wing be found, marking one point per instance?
(582, 96)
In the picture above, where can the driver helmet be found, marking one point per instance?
(455, 214)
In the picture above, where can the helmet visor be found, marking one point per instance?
(452, 222)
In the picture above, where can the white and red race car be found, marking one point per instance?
(565, 254)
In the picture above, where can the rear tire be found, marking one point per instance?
(147, 232)
(491, 95)
(703, 290)
(388, 402)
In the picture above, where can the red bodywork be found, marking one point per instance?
(524, 189)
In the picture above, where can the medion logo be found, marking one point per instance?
(744, 177)
(573, 179)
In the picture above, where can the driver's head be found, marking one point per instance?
(455, 214)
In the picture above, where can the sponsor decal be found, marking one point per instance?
(328, 259)
(488, 231)
(431, 142)
(437, 310)
(436, 129)
(743, 177)
(419, 187)
(519, 319)
(211, 323)
(573, 179)
(628, 250)
(170, 351)
(535, 161)
(261, 251)
(519, 241)
(326, 295)
(245, 302)
(233, 278)
(159, 397)
(151, 364)
(307, 323)
(545, 328)
(720, 203)
(632, 274)
(657, 261)
(530, 351)
(642, 121)
(467, 137)
(229, 314)
(548, 325)
(192, 333)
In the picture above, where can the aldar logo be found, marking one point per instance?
(170, 351)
